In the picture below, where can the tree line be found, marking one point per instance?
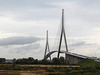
(2, 60)
(31, 60)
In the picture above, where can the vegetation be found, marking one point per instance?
(86, 66)
(89, 63)
(60, 61)
(30, 60)
(2, 60)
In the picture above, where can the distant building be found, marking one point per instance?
(9, 61)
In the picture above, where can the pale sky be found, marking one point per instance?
(23, 25)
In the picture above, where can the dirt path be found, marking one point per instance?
(37, 72)
(8, 73)
(21, 73)
(49, 65)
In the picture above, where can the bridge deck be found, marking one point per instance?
(68, 53)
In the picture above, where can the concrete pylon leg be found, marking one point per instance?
(66, 59)
(62, 34)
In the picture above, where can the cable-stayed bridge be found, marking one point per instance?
(71, 58)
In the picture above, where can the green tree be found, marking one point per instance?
(2, 60)
(55, 61)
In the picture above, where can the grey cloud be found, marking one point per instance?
(80, 44)
(28, 47)
(88, 2)
(77, 44)
(18, 40)
(13, 4)
(25, 9)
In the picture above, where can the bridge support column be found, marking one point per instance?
(66, 59)
(72, 59)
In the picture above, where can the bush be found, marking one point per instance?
(49, 69)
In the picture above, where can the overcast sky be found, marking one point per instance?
(23, 25)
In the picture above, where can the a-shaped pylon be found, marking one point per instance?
(62, 34)
(47, 46)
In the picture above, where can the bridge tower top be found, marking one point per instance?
(62, 34)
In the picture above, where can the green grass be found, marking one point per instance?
(86, 67)
(89, 63)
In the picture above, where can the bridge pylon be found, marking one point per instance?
(62, 34)
(47, 46)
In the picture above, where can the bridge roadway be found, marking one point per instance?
(68, 53)
(72, 58)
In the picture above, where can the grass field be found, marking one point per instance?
(85, 67)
